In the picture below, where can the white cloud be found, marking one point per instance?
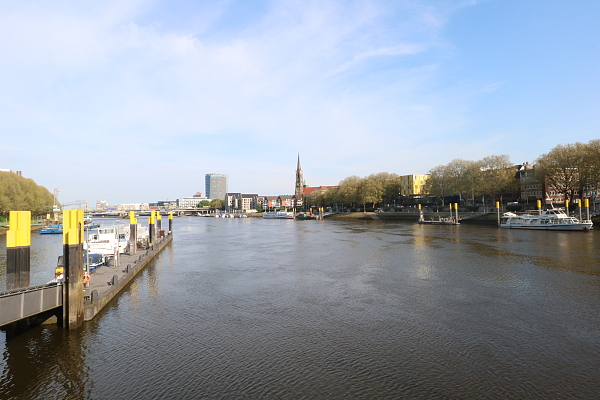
(339, 81)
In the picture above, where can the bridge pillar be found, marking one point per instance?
(73, 269)
(132, 233)
(18, 246)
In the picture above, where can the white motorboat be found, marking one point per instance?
(278, 215)
(553, 219)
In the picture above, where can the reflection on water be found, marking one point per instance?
(319, 309)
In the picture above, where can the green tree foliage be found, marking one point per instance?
(570, 168)
(22, 194)
(356, 191)
(471, 179)
(217, 204)
(203, 203)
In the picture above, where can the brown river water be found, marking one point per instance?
(280, 309)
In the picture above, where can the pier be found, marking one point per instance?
(79, 296)
(108, 281)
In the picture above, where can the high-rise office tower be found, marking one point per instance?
(216, 186)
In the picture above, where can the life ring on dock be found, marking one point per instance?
(86, 278)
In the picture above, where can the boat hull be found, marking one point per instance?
(279, 215)
(570, 227)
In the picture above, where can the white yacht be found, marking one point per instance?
(278, 215)
(553, 219)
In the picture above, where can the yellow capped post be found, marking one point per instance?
(132, 233)
(73, 227)
(159, 223)
(73, 239)
(151, 229)
(132, 219)
(586, 203)
(18, 240)
(498, 211)
(19, 231)
(170, 222)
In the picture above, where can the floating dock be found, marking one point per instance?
(107, 281)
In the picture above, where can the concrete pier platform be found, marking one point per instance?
(108, 281)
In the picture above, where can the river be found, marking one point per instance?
(280, 309)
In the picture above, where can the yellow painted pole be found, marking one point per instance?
(567, 206)
(159, 224)
(151, 229)
(18, 250)
(170, 222)
(132, 233)
(587, 207)
(498, 211)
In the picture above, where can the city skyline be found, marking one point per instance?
(133, 100)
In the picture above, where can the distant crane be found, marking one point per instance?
(58, 206)
(81, 204)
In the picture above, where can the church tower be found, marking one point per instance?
(299, 180)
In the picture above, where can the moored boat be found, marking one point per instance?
(553, 219)
(108, 240)
(305, 216)
(439, 221)
(51, 228)
(278, 215)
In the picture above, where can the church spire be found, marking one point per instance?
(299, 181)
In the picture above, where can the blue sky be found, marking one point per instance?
(135, 101)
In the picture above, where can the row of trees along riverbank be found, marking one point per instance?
(569, 169)
(23, 194)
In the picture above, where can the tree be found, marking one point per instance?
(217, 204)
(22, 194)
(440, 183)
(203, 203)
(470, 179)
(592, 159)
(348, 190)
(497, 175)
(569, 168)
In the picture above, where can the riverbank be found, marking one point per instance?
(34, 228)
(489, 219)
(485, 219)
